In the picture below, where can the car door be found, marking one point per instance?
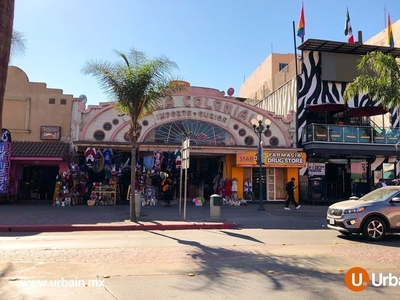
(392, 212)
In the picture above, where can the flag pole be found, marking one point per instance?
(295, 47)
(296, 80)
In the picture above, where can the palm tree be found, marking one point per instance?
(138, 84)
(6, 25)
(380, 80)
(18, 43)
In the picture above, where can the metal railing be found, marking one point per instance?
(350, 134)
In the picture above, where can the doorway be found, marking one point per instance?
(201, 173)
(37, 182)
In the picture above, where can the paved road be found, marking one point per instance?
(226, 264)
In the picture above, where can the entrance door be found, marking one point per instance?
(37, 182)
(334, 180)
(202, 172)
(256, 183)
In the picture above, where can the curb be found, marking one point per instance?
(90, 227)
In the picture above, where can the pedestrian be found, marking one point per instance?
(381, 183)
(248, 190)
(166, 189)
(290, 194)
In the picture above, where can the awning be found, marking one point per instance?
(366, 111)
(39, 149)
(343, 47)
(326, 107)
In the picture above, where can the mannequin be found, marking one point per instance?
(234, 185)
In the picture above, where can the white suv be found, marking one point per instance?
(373, 215)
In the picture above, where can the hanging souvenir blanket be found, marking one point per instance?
(158, 159)
(98, 164)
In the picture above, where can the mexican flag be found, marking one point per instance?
(348, 31)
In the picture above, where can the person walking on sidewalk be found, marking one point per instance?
(290, 194)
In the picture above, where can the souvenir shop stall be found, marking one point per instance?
(151, 169)
(107, 172)
(95, 177)
(100, 177)
(228, 190)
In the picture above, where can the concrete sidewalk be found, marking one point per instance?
(43, 217)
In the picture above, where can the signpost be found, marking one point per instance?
(185, 166)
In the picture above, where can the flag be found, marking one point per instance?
(348, 31)
(390, 40)
(301, 28)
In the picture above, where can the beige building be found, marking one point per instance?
(39, 120)
(28, 106)
(274, 71)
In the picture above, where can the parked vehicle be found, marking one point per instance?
(373, 215)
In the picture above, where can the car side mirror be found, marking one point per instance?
(354, 198)
(396, 199)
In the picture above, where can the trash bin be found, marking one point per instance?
(215, 207)
(138, 203)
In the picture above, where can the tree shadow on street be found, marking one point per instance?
(279, 270)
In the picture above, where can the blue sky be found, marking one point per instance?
(216, 43)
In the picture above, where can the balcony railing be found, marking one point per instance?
(350, 134)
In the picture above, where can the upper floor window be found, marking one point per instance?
(283, 66)
(63, 101)
(52, 101)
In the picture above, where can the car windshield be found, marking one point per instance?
(380, 194)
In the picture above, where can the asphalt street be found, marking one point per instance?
(194, 264)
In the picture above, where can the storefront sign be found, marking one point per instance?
(285, 159)
(202, 107)
(316, 169)
(50, 132)
(5, 161)
(276, 159)
(247, 159)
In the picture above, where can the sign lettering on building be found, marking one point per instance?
(273, 158)
(5, 161)
(202, 107)
(316, 169)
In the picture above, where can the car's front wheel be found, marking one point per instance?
(374, 229)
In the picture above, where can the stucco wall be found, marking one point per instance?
(27, 108)
(261, 78)
(197, 103)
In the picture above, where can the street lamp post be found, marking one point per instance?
(259, 128)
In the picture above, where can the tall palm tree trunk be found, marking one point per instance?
(6, 25)
(133, 183)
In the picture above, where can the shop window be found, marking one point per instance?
(388, 171)
(99, 135)
(107, 126)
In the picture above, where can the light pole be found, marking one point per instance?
(259, 128)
